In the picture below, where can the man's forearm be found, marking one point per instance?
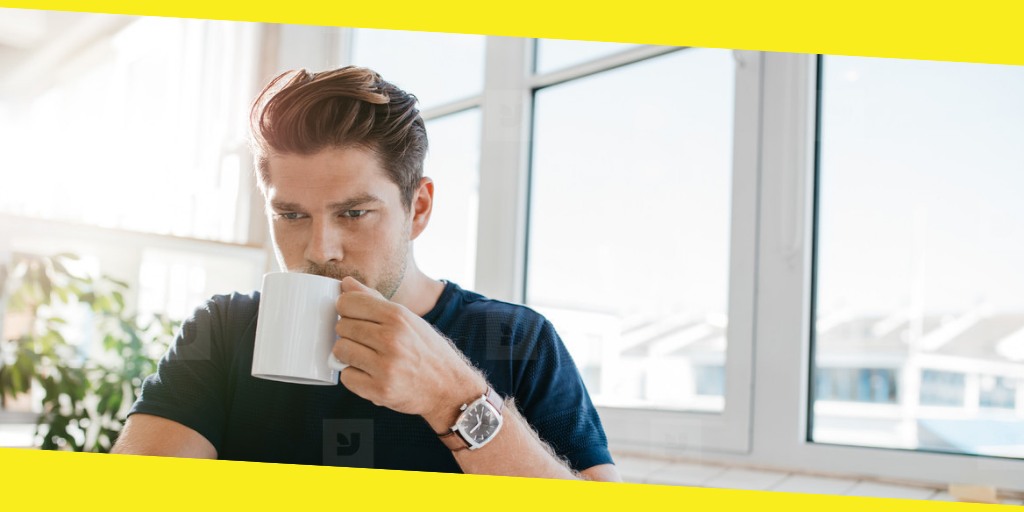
(515, 451)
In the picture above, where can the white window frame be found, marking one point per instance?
(783, 314)
(768, 361)
(501, 258)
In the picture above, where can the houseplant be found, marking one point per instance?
(88, 386)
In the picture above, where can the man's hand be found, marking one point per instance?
(398, 360)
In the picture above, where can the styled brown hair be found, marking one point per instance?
(303, 113)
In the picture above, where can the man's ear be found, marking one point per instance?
(422, 206)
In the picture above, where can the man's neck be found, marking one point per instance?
(418, 293)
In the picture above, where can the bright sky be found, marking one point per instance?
(922, 168)
(630, 205)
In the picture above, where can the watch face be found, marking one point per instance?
(479, 423)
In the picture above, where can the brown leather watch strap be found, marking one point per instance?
(495, 399)
(453, 440)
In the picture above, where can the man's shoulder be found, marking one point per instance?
(472, 306)
(229, 311)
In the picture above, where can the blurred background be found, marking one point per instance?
(619, 189)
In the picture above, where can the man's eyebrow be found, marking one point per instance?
(284, 206)
(347, 204)
(351, 203)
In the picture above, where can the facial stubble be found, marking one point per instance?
(396, 261)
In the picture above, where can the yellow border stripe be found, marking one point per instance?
(980, 31)
(117, 482)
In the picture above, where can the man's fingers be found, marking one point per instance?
(355, 354)
(351, 284)
(364, 306)
(357, 381)
(360, 331)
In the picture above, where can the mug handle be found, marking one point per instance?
(334, 364)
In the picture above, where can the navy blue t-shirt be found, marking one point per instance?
(204, 382)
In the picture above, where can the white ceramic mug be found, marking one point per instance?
(295, 329)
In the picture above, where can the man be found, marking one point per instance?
(441, 379)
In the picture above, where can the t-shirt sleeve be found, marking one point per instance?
(554, 400)
(190, 382)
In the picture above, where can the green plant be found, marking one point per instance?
(88, 386)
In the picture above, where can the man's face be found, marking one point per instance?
(337, 214)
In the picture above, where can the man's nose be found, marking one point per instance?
(324, 244)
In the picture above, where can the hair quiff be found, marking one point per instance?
(303, 113)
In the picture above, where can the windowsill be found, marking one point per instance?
(695, 473)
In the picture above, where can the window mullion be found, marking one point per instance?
(504, 167)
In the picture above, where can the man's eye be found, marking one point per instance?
(354, 214)
(290, 216)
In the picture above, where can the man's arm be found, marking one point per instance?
(145, 434)
(398, 361)
(602, 473)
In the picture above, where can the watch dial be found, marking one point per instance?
(479, 423)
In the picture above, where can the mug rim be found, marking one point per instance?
(306, 275)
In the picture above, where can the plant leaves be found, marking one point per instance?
(109, 342)
(14, 374)
(122, 284)
(62, 293)
(58, 267)
(115, 402)
(100, 304)
(95, 391)
(45, 285)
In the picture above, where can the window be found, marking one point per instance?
(942, 388)
(870, 385)
(438, 68)
(710, 380)
(160, 107)
(556, 54)
(125, 130)
(918, 253)
(630, 225)
(998, 392)
(447, 248)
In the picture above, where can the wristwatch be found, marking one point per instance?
(478, 423)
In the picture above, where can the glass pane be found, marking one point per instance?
(447, 248)
(629, 227)
(144, 132)
(920, 315)
(438, 68)
(555, 54)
